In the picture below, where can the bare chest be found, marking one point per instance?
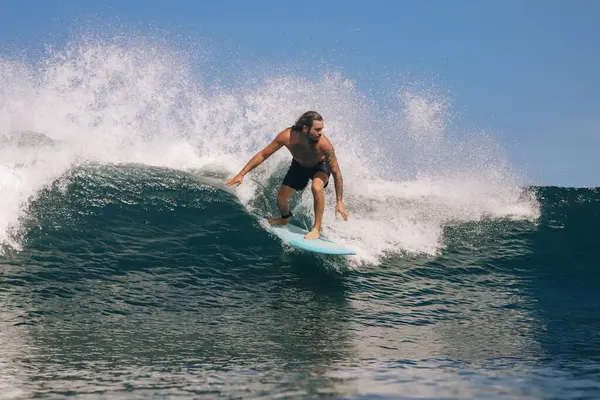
(306, 154)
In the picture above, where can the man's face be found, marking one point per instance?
(315, 132)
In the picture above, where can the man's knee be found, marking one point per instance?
(317, 186)
(319, 182)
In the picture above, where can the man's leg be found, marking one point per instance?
(283, 202)
(318, 183)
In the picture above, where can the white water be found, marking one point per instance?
(404, 177)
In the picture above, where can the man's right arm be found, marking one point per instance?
(260, 157)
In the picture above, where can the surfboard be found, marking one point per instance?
(294, 236)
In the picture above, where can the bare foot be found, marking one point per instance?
(279, 221)
(314, 234)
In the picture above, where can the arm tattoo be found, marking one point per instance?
(335, 171)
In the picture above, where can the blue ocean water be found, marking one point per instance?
(128, 270)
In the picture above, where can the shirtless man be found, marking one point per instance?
(313, 158)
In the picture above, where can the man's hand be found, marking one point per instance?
(236, 180)
(339, 208)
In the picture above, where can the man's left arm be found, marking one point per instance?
(337, 179)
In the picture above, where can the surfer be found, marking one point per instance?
(313, 158)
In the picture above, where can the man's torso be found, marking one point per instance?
(307, 154)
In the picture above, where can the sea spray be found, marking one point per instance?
(117, 102)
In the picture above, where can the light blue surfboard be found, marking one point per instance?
(294, 236)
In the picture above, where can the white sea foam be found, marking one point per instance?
(405, 178)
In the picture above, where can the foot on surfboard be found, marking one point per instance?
(314, 234)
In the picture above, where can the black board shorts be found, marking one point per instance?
(298, 176)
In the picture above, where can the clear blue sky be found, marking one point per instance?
(528, 70)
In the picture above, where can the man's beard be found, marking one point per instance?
(313, 140)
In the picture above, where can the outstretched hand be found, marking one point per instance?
(339, 208)
(236, 180)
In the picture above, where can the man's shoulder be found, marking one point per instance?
(284, 135)
(325, 143)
